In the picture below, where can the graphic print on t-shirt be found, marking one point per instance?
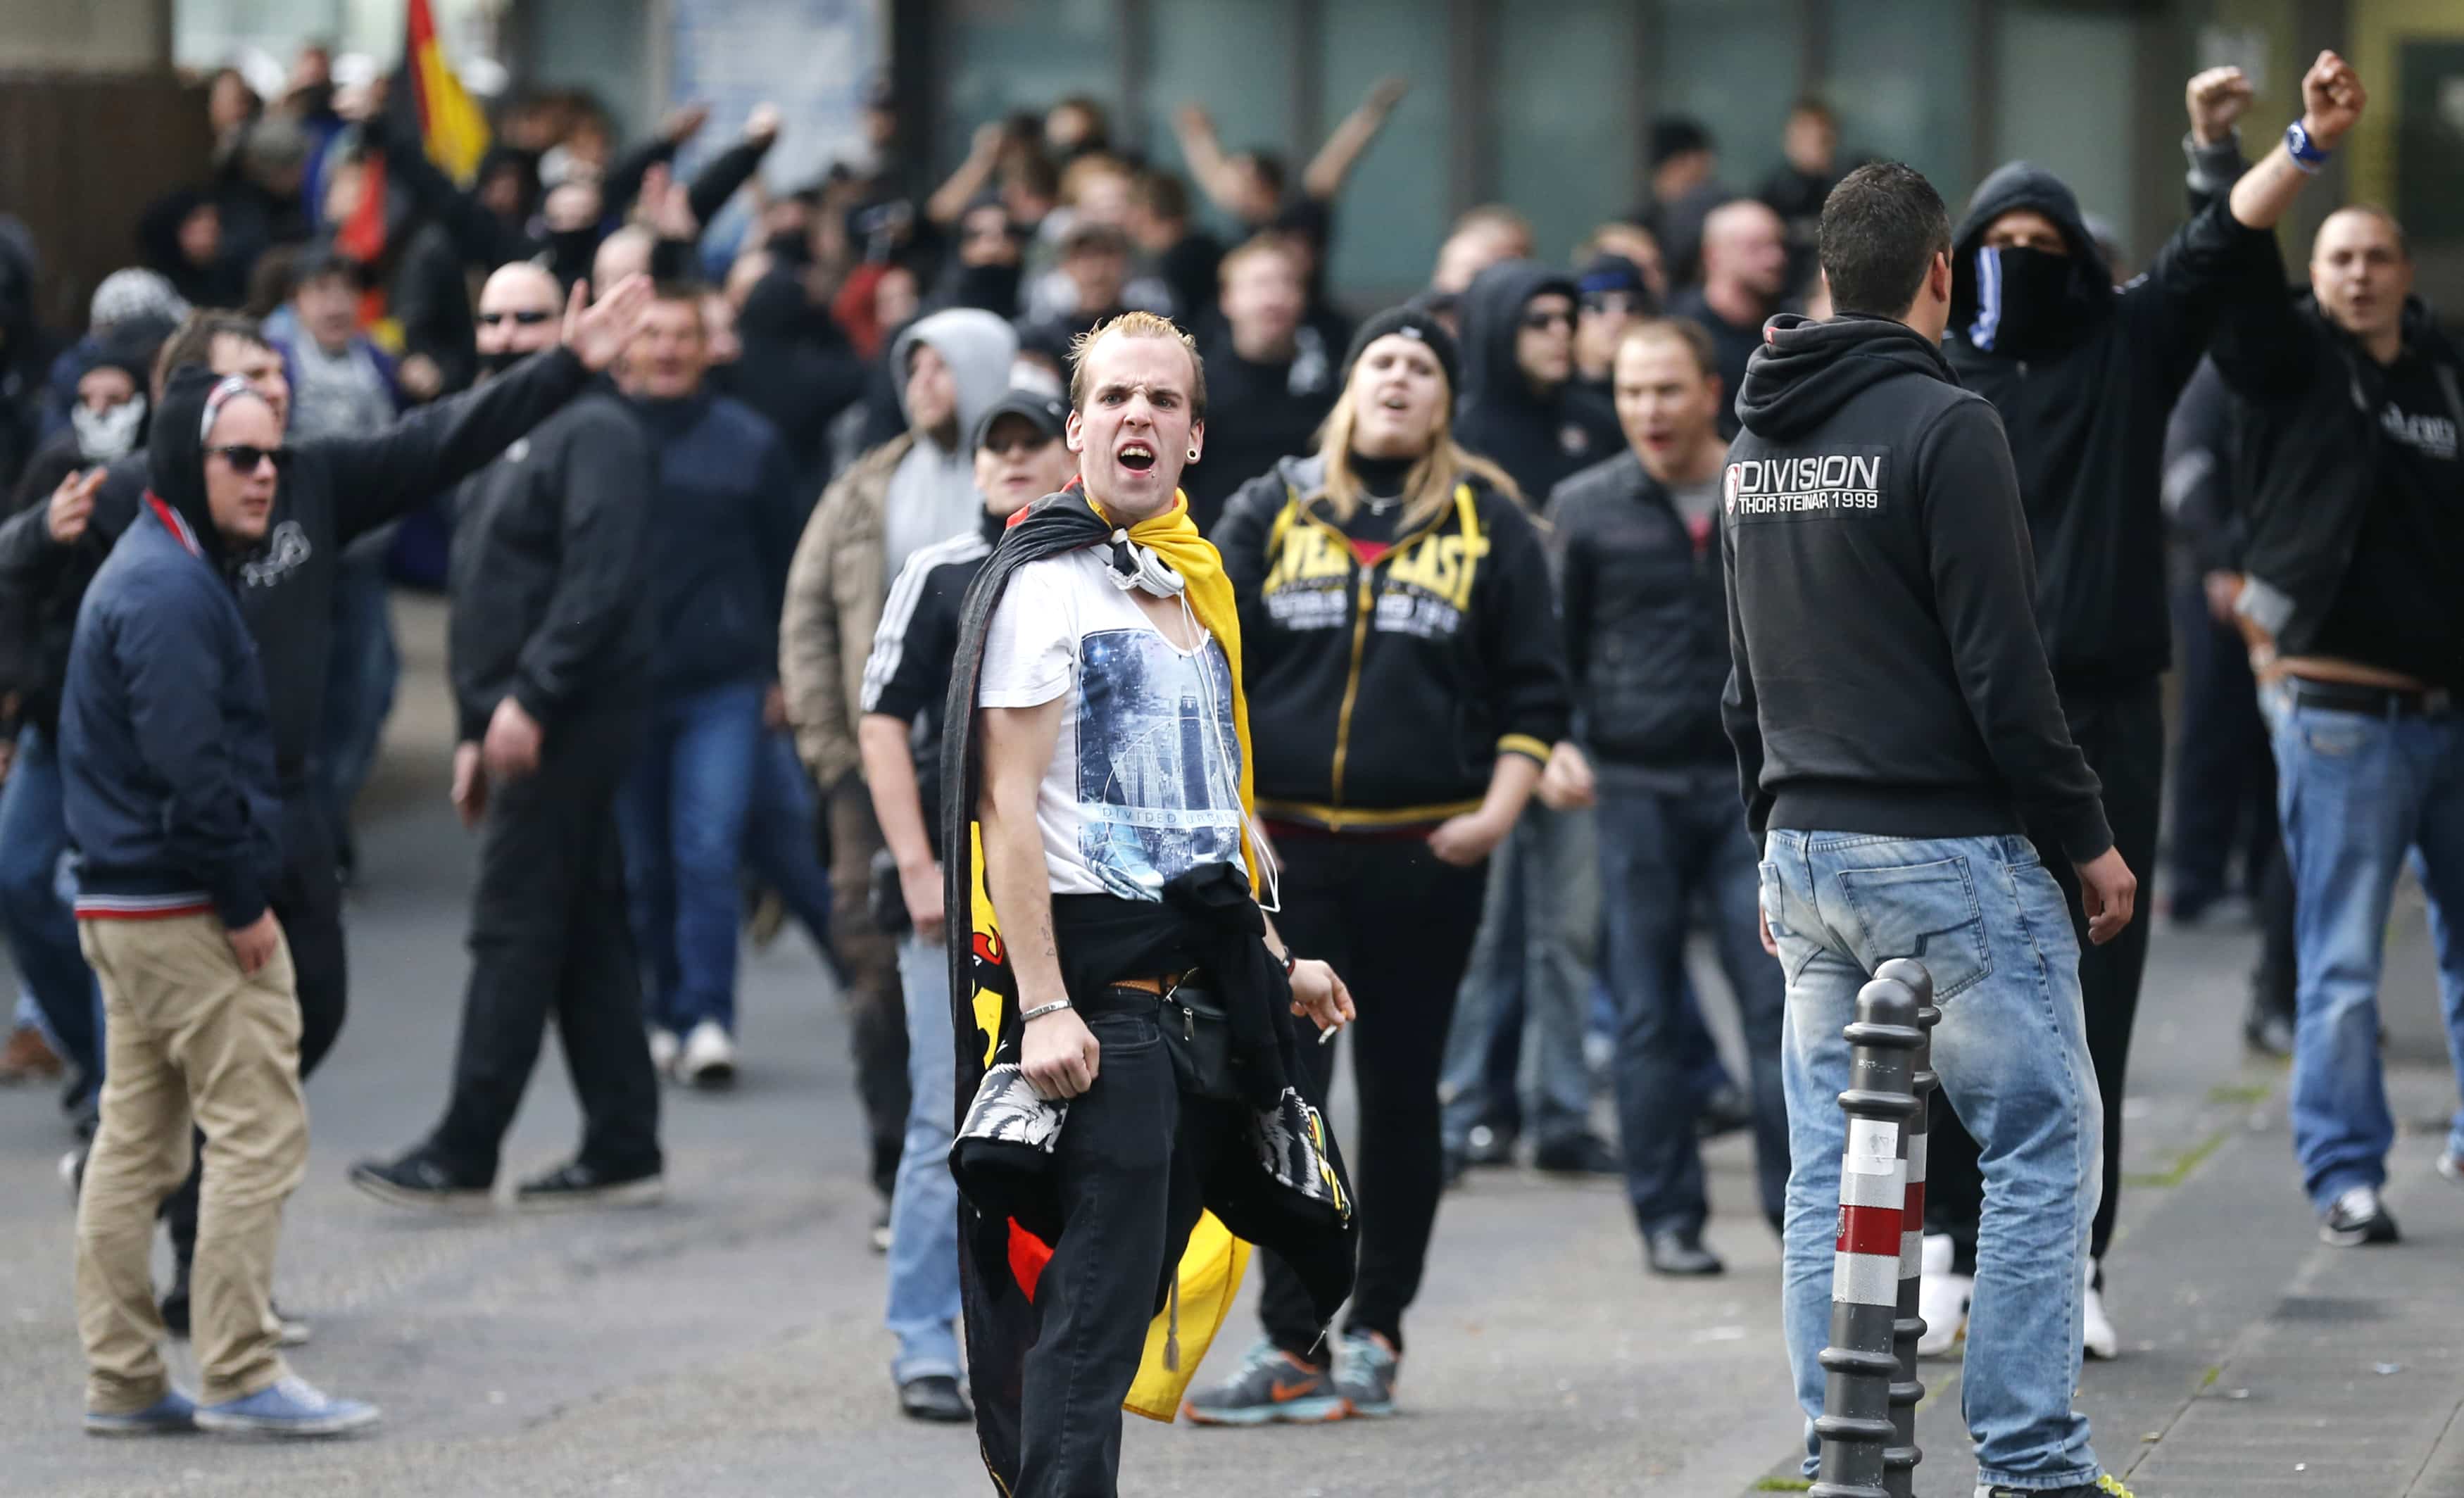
(1158, 764)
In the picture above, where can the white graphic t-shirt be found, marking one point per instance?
(1145, 783)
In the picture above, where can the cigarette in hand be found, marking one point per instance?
(1326, 1037)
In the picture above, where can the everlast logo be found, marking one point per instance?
(1791, 488)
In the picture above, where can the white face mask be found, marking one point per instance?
(105, 435)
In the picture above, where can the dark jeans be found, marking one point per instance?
(307, 900)
(2224, 773)
(2122, 736)
(1128, 1168)
(549, 940)
(40, 924)
(1397, 924)
(1657, 851)
(683, 809)
(782, 838)
(876, 1014)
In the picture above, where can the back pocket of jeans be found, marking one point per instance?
(1928, 911)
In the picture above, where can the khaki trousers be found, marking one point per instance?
(187, 1036)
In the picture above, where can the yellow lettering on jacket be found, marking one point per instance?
(1444, 563)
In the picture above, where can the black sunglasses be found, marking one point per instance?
(245, 456)
(528, 320)
(1540, 321)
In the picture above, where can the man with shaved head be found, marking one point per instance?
(1745, 278)
(2353, 597)
(550, 653)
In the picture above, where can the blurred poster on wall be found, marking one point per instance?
(816, 59)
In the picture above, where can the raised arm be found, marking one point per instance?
(2332, 99)
(950, 200)
(732, 169)
(1203, 150)
(377, 478)
(1335, 160)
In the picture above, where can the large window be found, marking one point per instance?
(1398, 202)
(1733, 65)
(1900, 82)
(1234, 56)
(1569, 147)
(1003, 55)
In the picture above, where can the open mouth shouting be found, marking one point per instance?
(1137, 456)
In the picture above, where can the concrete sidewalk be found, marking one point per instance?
(2257, 1360)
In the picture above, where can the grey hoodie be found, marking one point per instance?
(932, 496)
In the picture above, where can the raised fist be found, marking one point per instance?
(2217, 99)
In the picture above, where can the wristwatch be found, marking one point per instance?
(2306, 153)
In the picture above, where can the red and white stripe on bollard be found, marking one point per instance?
(1856, 1427)
(1901, 1457)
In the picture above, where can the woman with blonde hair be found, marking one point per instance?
(1403, 671)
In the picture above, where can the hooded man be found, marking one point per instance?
(909, 493)
(1523, 408)
(2085, 377)
(172, 801)
(335, 490)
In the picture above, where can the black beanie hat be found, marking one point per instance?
(1412, 322)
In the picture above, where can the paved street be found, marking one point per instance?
(729, 1343)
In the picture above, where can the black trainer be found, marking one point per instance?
(578, 1183)
(2106, 1486)
(1680, 1251)
(420, 1180)
(2358, 1216)
(936, 1397)
(1488, 1144)
(1726, 1112)
(296, 1332)
(1577, 1155)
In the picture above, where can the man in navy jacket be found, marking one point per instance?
(172, 803)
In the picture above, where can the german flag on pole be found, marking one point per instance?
(426, 101)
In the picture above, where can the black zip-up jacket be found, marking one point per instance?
(551, 563)
(1540, 441)
(1889, 678)
(165, 754)
(1646, 625)
(2085, 406)
(2308, 463)
(1382, 696)
(335, 490)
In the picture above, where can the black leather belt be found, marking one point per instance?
(2344, 697)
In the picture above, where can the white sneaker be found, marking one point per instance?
(1942, 1298)
(665, 1047)
(708, 1058)
(2097, 1334)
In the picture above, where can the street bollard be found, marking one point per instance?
(1901, 1458)
(1856, 1426)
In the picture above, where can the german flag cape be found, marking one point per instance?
(1001, 1260)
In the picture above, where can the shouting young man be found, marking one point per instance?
(1121, 1006)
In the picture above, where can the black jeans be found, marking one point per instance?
(868, 960)
(2122, 736)
(2224, 771)
(1128, 1168)
(307, 900)
(1659, 850)
(549, 938)
(1398, 923)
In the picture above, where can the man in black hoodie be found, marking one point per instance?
(1523, 408)
(2085, 377)
(551, 656)
(1896, 727)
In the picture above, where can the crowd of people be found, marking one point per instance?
(1390, 672)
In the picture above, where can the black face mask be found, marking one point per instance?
(498, 363)
(2023, 301)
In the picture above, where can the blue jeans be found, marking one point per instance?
(1539, 933)
(783, 840)
(1989, 922)
(1658, 850)
(2356, 793)
(924, 1208)
(682, 813)
(35, 905)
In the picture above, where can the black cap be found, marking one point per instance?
(1412, 322)
(1675, 135)
(1048, 414)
